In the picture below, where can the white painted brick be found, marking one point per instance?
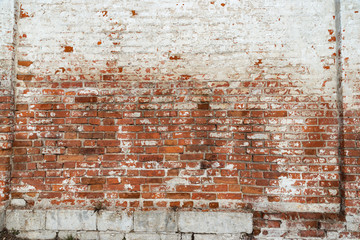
(115, 221)
(70, 220)
(353, 223)
(155, 221)
(210, 41)
(18, 202)
(332, 235)
(215, 222)
(275, 232)
(25, 220)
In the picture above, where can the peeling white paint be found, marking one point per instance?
(171, 184)
(287, 186)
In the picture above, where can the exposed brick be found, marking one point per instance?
(151, 108)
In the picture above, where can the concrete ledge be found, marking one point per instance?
(215, 222)
(219, 236)
(155, 221)
(150, 225)
(115, 221)
(70, 220)
(25, 220)
(41, 235)
(152, 236)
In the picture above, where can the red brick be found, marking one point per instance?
(93, 181)
(178, 195)
(85, 99)
(171, 150)
(68, 49)
(25, 77)
(276, 114)
(238, 113)
(129, 195)
(206, 196)
(24, 63)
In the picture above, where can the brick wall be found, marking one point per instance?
(351, 103)
(242, 106)
(176, 104)
(6, 94)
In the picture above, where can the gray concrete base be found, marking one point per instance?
(2, 219)
(98, 235)
(138, 225)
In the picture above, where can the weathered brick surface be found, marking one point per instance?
(6, 94)
(244, 107)
(351, 105)
(173, 104)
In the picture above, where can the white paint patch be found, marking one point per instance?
(149, 143)
(215, 165)
(24, 188)
(229, 166)
(171, 184)
(125, 144)
(128, 187)
(287, 186)
(145, 121)
(88, 91)
(70, 185)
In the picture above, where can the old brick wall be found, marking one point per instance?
(7, 21)
(230, 106)
(351, 106)
(169, 103)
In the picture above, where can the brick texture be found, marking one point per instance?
(351, 106)
(212, 105)
(180, 104)
(6, 94)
